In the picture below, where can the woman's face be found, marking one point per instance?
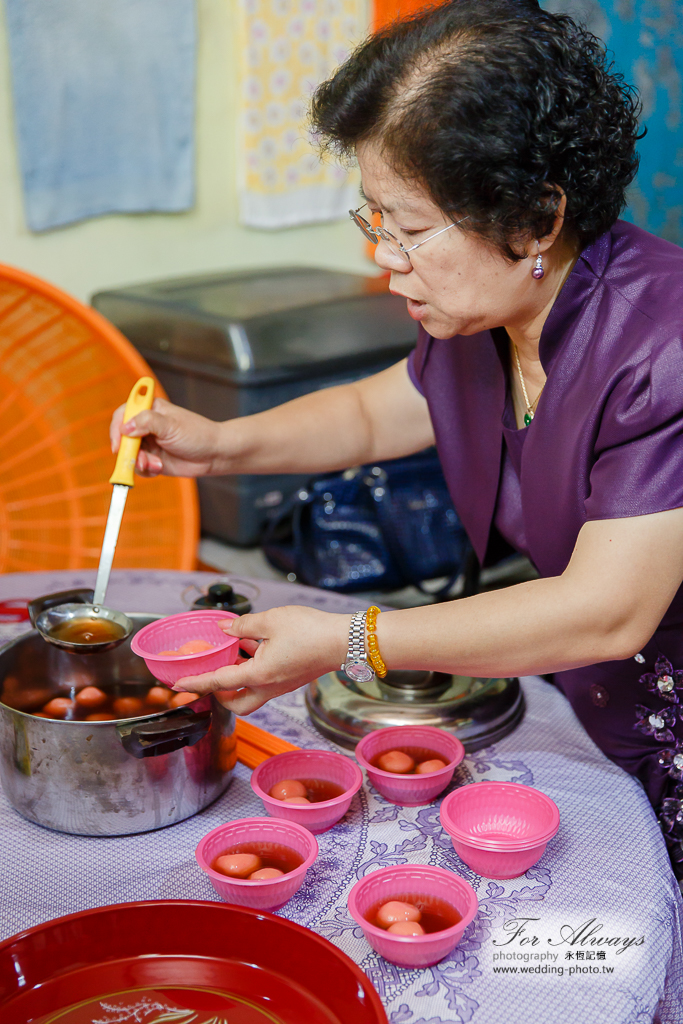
(456, 283)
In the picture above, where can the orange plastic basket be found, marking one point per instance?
(63, 371)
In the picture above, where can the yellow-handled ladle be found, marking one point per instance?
(87, 626)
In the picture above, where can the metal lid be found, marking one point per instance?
(251, 322)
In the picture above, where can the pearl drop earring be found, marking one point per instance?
(538, 271)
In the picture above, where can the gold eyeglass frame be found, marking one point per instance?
(395, 246)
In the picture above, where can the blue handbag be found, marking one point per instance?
(375, 527)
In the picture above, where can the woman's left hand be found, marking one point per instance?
(290, 646)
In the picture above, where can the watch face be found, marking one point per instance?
(359, 671)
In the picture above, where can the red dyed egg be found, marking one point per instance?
(395, 761)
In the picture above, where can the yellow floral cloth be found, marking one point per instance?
(286, 48)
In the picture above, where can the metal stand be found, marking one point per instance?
(478, 711)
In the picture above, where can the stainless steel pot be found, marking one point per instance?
(105, 778)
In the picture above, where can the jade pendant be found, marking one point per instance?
(528, 416)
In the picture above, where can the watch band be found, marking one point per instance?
(357, 667)
(356, 651)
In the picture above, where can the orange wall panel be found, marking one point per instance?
(386, 11)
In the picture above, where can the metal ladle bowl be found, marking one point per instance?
(51, 611)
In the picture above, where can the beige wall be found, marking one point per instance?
(122, 249)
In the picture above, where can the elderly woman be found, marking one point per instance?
(497, 146)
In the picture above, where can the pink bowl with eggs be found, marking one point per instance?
(174, 631)
(323, 765)
(499, 829)
(264, 894)
(410, 790)
(401, 883)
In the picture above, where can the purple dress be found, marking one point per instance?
(606, 443)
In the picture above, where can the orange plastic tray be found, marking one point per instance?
(63, 371)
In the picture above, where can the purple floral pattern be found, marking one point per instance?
(671, 817)
(672, 759)
(665, 681)
(656, 723)
(487, 759)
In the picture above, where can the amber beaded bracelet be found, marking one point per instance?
(374, 657)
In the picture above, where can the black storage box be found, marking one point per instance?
(229, 345)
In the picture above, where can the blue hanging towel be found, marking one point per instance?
(104, 106)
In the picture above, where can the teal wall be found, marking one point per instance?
(646, 40)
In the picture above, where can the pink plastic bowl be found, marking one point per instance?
(410, 790)
(175, 630)
(499, 829)
(270, 893)
(400, 883)
(308, 764)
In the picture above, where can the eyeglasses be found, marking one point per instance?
(395, 247)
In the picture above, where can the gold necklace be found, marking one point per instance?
(530, 406)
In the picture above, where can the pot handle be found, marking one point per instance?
(157, 736)
(39, 604)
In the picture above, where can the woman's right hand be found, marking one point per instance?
(175, 441)
(379, 417)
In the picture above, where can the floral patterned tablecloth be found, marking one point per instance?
(590, 935)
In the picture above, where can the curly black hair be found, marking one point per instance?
(493, 106)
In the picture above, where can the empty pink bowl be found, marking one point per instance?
(410, 790)
(269, 893)
(308, 764)
(402, 883)
(499, 829)
(173, 631)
